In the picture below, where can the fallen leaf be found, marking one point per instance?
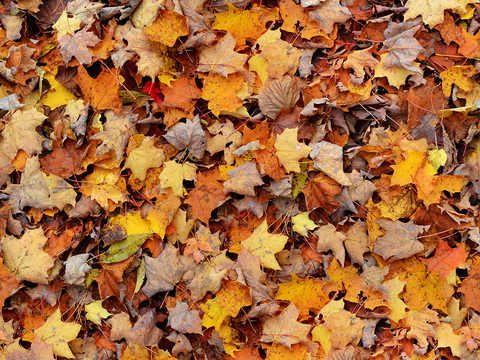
(284, 328)
(188, 135)
(221, 59)
(266, 245)
(101, 92)
(144, 157)
(58, 333)
(77, 46)
(184, 320)
(400, 240)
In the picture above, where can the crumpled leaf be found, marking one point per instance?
(358, 60)
(76, 268)
(328, 158)
(117, 130)
(331, 239)
(329, 12)
(189, 135)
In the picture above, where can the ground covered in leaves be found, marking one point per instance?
(200, 179)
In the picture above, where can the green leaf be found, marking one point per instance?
(122, 250)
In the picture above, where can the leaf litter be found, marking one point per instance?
(231, 179)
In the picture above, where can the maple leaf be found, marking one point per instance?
(21, 127)
(396, 76)
(39, 190)
(206, 278)
(164, 271)
(196, 247)
(173, 175)
(101, 92)
(329, 12)
(144, 157)
(321, 192)
(289, 150)
(95, 312)
(167, 27)
(282, 58)
(447, 260)
(400, 240)
(403, 50)
(243, 179)
(262, 243)
(358, 60)
(227, 303)
(242, 24)
(58, 333)
(117, 130)
(306, 294)
(77, 46)
(152, 58)
(182, 319)
(189, 135)
(331, 239)
(66, 25)
(222, 93)
(432, 10)
(284, 329)
(221, 59)
(346, 328)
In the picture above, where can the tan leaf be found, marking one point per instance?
(278, 94)
(220, 58)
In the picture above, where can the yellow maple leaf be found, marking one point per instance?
(432, 10)
(66, 25)
(290, 151)
(173, 175)
(96, 312)
(144, 157)
(58, 333)
(25, 257)
(167, 27)
(265, 245)
(242, 24)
